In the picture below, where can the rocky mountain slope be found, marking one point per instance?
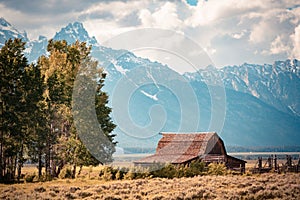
(277, 84)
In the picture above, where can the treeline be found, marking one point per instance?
(36, 122)
(137, 150)
(283, 148)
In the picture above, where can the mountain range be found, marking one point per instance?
(260, 106)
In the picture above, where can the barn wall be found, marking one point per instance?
(234, 163)
(215, 146)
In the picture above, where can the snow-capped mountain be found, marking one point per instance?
(75, 31)
(36, 48)
(277, 84)
(8, 31)
(262, 101)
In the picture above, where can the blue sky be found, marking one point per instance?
(192, 2)
(230, 31)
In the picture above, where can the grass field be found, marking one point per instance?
(87, 186)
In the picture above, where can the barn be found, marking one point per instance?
(183, 148)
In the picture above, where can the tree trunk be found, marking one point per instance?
(40, 166)
(1, 162)
(47, 158)
(74, 171)
(4, 166)
(60, 166)
(53, 168)
(1, 158)
(14, 169)
(80, 169)
(20, 163)
(1, 144)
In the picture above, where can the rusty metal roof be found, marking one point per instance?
(180, 147)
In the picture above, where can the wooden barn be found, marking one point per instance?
(182, 148)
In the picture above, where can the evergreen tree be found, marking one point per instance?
(12, 127)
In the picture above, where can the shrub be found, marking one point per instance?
(66, 172)
(108, 173)
(129, 175)
(44, 177)
(168, 171)
(141, 172)
(119, 175)
(29, 177)
(196, 168)
(181, 172)
(217, 169)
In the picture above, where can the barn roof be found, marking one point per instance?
(180, 147)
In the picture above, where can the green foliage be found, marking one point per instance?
(168, 171)
(217, 169)
(196, 168)
(13, 118)
(157, 170)
(60, 69)
(36, 109)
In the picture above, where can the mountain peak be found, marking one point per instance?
(210, 68)
(3, 22)
(8, 31)
(75, 31)
(78, 25)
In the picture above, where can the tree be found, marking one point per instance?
(36, 119)
(59, 69)
(13, 129)
(37, 113)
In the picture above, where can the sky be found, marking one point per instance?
(231, 32)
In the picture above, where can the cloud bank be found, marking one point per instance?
(231, 31)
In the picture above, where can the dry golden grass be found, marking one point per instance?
(264, 186)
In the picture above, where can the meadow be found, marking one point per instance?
(89, 186)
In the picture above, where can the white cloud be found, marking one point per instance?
(260, 32)
(104, 30)
(208, 12)
(239, 35)
(278, 46)
(271, 24)
(233, 31)
(118, 9)
(164, 17)
(296, 41)
(209, 50)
